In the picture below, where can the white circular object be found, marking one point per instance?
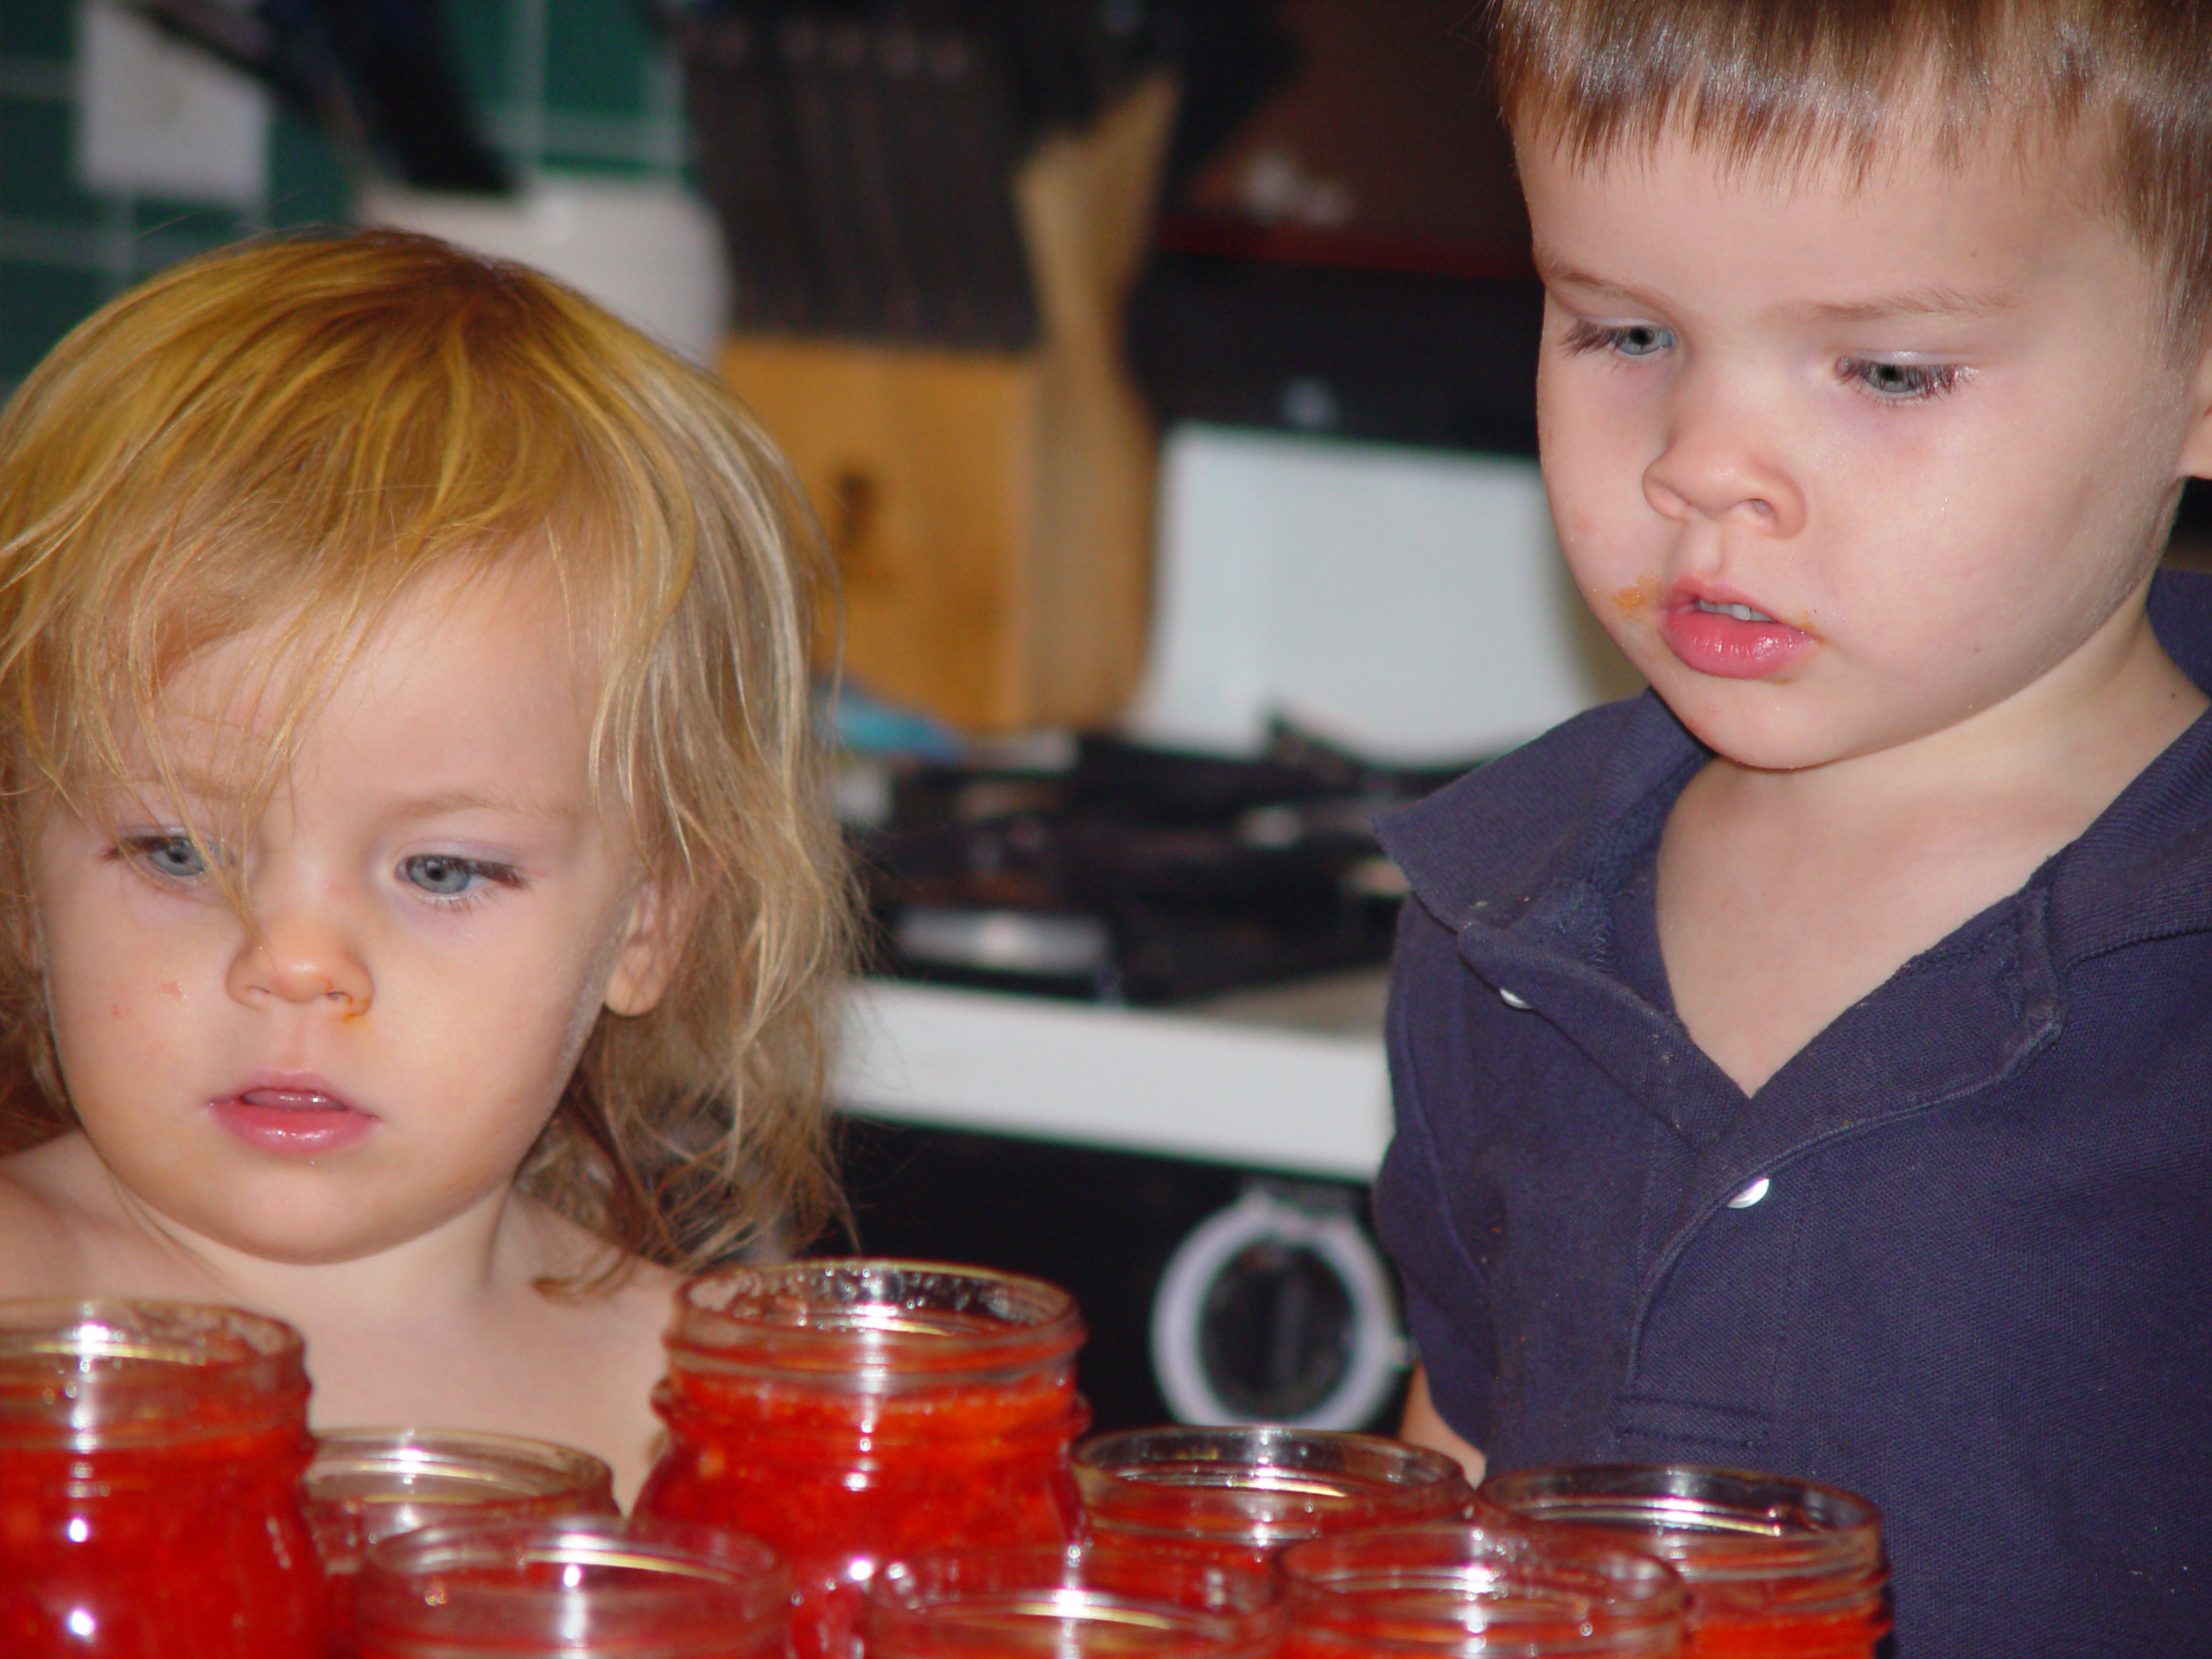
(1264, 1217)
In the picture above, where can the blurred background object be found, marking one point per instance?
(559, 89)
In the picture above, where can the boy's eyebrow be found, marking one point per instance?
(1937, 299)
(1934, 301)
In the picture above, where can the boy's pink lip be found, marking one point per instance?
(290, 1112)
(1711, 641)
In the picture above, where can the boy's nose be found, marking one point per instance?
(302, 957)
(1721, 462)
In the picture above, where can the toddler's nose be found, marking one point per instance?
(302, 957)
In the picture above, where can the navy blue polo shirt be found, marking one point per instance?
(1956, 1255)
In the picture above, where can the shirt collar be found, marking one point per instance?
(1502, 841)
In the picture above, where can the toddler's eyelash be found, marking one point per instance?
(1902, 383)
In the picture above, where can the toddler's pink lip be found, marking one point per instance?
(291, 1116)
(1720, 632)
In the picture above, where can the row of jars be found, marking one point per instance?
(850, 1415)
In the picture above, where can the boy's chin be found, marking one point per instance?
(1757, 727)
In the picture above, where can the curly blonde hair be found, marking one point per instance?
(295, 433)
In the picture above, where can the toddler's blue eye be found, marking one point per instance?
(174, 857)
(440, 873)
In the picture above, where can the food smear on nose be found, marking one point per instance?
(1730, 638)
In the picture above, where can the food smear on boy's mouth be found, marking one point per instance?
(1728, 637)
(1641, 596)
(291, 1118)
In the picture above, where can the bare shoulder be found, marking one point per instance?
(42, 1226)
(618, 1321)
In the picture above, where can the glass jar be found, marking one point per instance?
(1776, 1568)
(1238, 1494)
(849, 1412)
(1446, 1592)
(151, 1455)
(365, 1485)
(587, 1587)
(1066, 1603)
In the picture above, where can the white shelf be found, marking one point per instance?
(1185, 1085)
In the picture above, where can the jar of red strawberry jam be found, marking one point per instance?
(366, 1485)
(1237, 1495)
(586, 1587)
(1775, 1568)
(1447, 1592)
(151, 1455)
(850, 1411)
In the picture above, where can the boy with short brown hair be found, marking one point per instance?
(1804, 1067)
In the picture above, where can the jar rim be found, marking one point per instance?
(1419, 1590)
(1258, 1478)
(106, 1372)
(685, 1589)
(863, 1318)
(503, 1466)
(1715, 1525)
(924, 1602)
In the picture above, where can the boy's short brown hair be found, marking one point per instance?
(294, 433)
(1796, 80)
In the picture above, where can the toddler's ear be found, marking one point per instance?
(652, 943)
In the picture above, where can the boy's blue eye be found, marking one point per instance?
(1622, 340)
(1641, 339)
(442, 874)
(1902, 383)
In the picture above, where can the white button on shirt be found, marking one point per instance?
(1511, 998)
(1750, 1195)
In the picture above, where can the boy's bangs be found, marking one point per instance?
(1778, 82)
(1811, 85)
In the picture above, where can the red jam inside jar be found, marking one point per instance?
(1446, 1592)
(151, 1455)
(1236, 1495)
(1775, 1568)
(1084, 1599)
(851, 1412)
(585, 1587)
(366, 1485)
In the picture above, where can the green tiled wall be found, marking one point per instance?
(564, 85)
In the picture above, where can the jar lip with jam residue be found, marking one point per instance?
(1265, 1482)
(870, 1325)
(1061, 1602)
(107, 1373)
(586, 1585)
(1817, 1548)
(1445, 1590)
